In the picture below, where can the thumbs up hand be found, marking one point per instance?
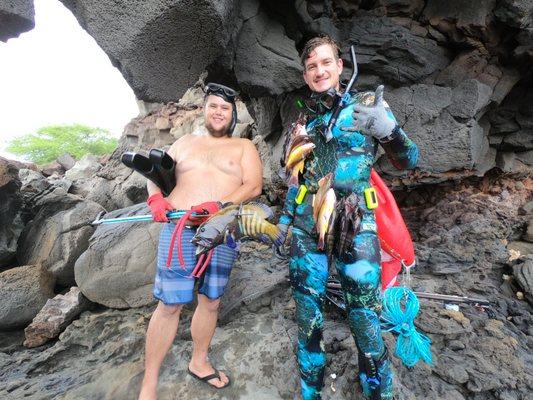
(375, 120)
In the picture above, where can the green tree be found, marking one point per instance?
(50, 142)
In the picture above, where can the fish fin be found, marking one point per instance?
(294, 178)
(267, 211)
(272, 234)
(320, 244)
(264, 238)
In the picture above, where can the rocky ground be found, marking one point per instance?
(468, 240)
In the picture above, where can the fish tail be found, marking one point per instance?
(273, 233)
(293, 179)
(278, 236)
(320, 244)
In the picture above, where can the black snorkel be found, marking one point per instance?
(328, 134)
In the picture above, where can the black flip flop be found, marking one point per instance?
(207, 378)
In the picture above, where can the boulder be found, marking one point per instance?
(16, 17)
(457, 16)
(266, 60)
(85, 168)
(519, 141)
(53, 168)
(528, 235)
(446, 142)
(265, 112)
(54, 317)
(160, 47)
(58, 234)
(505, 161)
(66, 161)
(395, 54)
(394, 7)
(515, 13)
(523, 272)
(243, 128)
(33, 183)
(11, 217)
(24, 290)
(523, 248)
(117, 269)
(117, 193)
(469, 98)
(270, 165)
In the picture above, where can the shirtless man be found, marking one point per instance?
(210, 169)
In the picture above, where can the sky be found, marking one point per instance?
(57, 74)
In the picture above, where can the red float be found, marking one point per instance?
(396, 242)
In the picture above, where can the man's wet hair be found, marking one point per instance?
(317, 41)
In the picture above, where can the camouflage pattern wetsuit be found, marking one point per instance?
(350, 156)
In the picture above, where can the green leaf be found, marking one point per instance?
(50, 142)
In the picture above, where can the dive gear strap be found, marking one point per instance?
(371, 198)
(300, 196)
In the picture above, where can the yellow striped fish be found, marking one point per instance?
(237, 222)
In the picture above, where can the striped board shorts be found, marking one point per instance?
(175, 285)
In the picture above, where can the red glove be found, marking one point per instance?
(159, 207)
(209, 208)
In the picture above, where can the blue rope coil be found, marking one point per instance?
(400, 308)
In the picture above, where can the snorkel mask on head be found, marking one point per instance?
(322, 102)
(229, 95)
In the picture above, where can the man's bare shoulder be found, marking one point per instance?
(243, 142)
(179, 144)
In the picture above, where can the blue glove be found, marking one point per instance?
(375, 120)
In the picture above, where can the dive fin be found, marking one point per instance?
(166, 166)
(144, 166)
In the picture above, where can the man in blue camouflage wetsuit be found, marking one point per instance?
(363, 124)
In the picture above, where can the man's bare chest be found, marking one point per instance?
(223, 158)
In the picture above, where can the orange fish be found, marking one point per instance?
(323, 186)
(324, 216)
(299, 154)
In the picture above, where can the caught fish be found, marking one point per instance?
(299, 140)
(349, 222)
(324, 216)
(323, 186)
(330, 234)
(296, 171)
(297, 147)
(298, 154)
(296, 135)
(236, 222)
